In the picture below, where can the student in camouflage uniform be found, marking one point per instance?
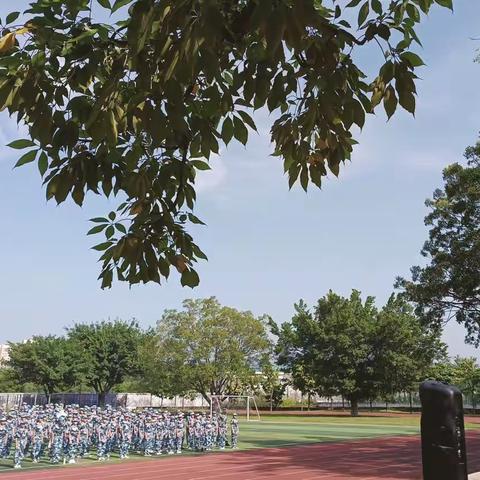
(222, 431)
(179, 432)
(56, 439)
(38, 437)
(4, 436)
(70, 433)
(235, 430)
(20, 433)
(124, 436)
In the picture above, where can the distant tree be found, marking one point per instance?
(162, 376)
(134, 107)
(108, 353)
(442, 371)
(288, 359)
(332, 345)
(467, 377)
(50, 362)
(404, 349)
(9, 381)
(347, 347)
(449, 285)
(273, 386)
(304, 382)
(211, 349)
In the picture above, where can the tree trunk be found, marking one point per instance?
(206, 398)
(271, 401)
(354, 407)
(102, 396)
(308, 401)
(411, 401)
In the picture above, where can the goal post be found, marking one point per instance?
(243, 405)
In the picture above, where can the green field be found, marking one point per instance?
(278, 431)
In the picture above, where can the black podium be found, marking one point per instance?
(443, 432)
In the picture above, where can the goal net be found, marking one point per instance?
(244, 406)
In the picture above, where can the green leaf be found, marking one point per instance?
(363, 13)
(304, 178)
(445, 3)
(43, 163)
(105, 3)
(97, 229)
(407, 101)
(112, 216)
(247, 119)
(110, 231)
(377, 6)
(413, 12)
(190, 278)
(200, 165)
(227, 130)
(412, 58)
(119, 4)
(353, 3)
(102, 246)
(121, 228)
(390, 101)
(240, 130)
(11, 17)
(27, 158)
(99, 220)
(20, 144)
(195, 219)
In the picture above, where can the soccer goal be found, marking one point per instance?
(243, 405)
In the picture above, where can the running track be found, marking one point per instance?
(380, 459)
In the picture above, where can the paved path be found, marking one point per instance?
(395, 458)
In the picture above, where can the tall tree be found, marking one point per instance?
(50, 362)
(135, 108)
(214, 349)
(449, 285)
(332, 345)
(158, 374)
(404, 348)
(108, 353)
(289, 354)
(347, 347)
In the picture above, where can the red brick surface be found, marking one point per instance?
(396, 458)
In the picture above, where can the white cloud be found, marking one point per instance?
(208, 180)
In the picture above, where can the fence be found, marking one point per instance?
(128, 400)
(142, 400)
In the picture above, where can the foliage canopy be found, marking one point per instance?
(50, 362)
(449, 285)
(347, 347)
(214, 349)
(135, 107)
(108, 353)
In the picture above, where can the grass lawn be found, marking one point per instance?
(278, 431)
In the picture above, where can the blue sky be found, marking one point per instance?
(267, 246)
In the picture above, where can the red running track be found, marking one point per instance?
(395, 458)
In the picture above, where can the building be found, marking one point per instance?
(4, 354)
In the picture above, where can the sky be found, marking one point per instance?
(268, 247)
